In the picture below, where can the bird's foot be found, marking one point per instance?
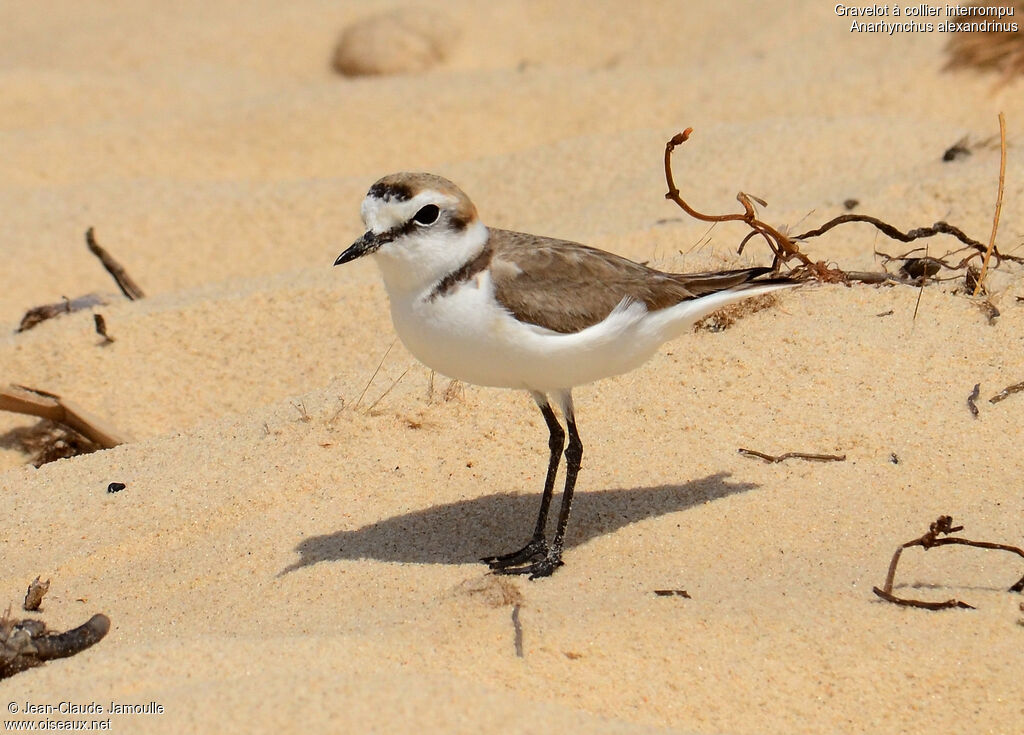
(536, 550)
(542, 568)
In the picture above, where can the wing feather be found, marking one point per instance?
(566, 287)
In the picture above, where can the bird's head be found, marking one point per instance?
(419, 223)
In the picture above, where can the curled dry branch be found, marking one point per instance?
(785, 247)
(943, 526)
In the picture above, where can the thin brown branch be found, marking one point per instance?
(939, 228)
(1006, 392)
(128, 287)
(39, 314)
(917, 304)
(944, 605)
(785, 247)
(780, 244)
(942, 526)
(32, 402)
(775, 459)
(871, 277)
(999, 203)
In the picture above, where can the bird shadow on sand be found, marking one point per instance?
(462, 532)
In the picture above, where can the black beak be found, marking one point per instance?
(363, 246)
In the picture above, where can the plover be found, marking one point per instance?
(512, 310)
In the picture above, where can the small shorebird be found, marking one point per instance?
(512, 310)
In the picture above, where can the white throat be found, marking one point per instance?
(415, 263)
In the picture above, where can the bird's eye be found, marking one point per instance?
(427, 215)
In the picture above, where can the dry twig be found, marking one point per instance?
(942, 526)
(781, 245)
(1006, 392)
(33, 402)
(128, 286)
(39, 314)
(785, 248)
(939, 228)
(925, 604)
(773, 459)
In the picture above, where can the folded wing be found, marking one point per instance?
(566, 287)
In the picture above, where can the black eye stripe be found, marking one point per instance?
(399, 231)
(396, 232)
(409, 227)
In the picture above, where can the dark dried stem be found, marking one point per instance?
(942, 526)
(785, 247)
(939, 228)
(944, 605)
(44, 405)
(1006, 392)
(781, 245)
(128, 287)
(775, 459)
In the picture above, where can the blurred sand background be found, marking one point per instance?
(285, 558)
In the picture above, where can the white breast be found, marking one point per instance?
(466, 334)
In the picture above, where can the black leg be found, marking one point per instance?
(537, 548)
(573, 460)
(552, 559)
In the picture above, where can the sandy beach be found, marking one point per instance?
(296, 546)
